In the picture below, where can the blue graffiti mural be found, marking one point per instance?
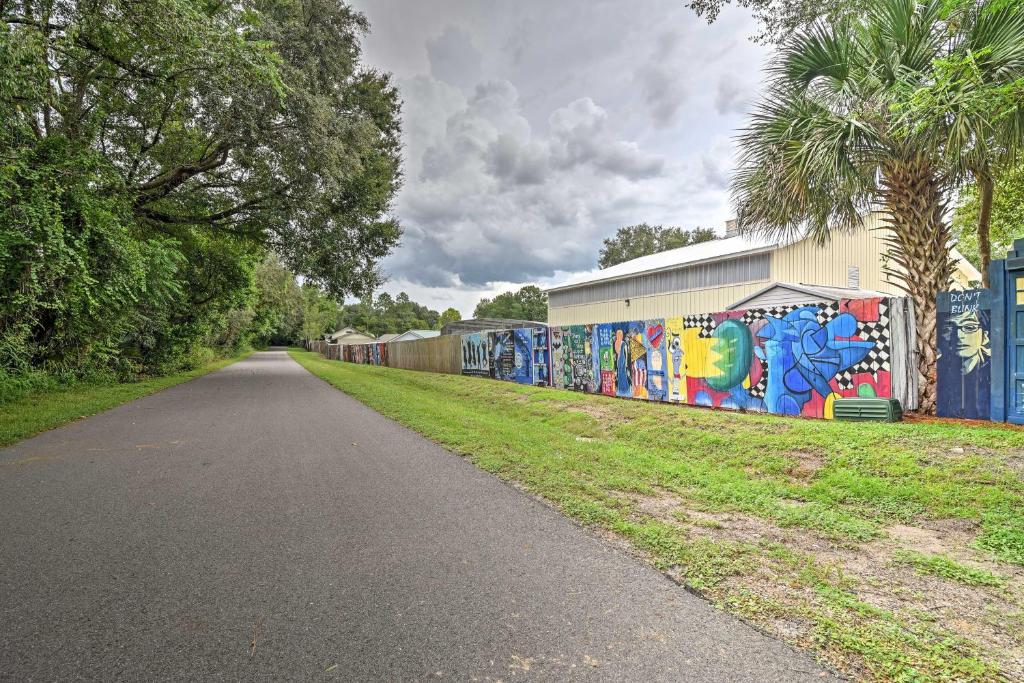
(803, 356)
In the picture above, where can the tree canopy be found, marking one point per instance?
(387, 314)
(449, 315)
(529, 303)
(1007, 215)
(634, 241)
(154, 153)
(778, 19)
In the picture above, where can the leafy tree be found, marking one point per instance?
(780, 18)
(449, 315)
(320, 314)
(976, 98)
(830, 141)
(154, 151)
(1007, 218)
(278, 304)
(389, 315)
(634, 241)
(529, 303)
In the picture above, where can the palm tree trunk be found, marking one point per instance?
(913, 197)
(985, 191)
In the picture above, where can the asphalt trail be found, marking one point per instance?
(256, 523)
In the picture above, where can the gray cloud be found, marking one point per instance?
(661, 82)
(731, 97)
(454, 58)
(533, 130)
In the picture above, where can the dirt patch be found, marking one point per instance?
(805, 464)
(984, 615)
(661, 504)
(1015, 463)
(599, 411)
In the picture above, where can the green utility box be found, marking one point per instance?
(867, 410)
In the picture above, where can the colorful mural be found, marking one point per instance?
(541, 356)
(631, 359)
(675, 330)
(791, 360)
(573, 364)
(475, 355)
(512, 355)
(964, 365)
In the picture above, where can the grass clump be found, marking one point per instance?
(948, 568)
(30, 407)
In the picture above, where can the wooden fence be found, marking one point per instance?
(438, 354)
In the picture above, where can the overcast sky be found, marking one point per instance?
(533, 129)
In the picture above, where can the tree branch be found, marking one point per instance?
(166, 182)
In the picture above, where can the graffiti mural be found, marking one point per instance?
(558, 355)
(541, 356)
(790, 360)
(512, 355)
(964, 365)
(572, 363)
(503, 355)
(631, 359)
(675, 330)
(653, 339)
(476, 355)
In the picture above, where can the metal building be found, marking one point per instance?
(717, 275)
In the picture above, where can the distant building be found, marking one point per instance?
(411, 335)
(385, 338)
(349, 335)
(480, 324)
(739, 270)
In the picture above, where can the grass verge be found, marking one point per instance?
(892, 551)
(39, 411)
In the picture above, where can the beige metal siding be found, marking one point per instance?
(803, 262)
(807, 263)
(658, 306)
(749, 268)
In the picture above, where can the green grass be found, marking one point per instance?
(940, 565)
(39, 411)
(753, 511)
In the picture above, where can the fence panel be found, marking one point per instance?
(438, 354)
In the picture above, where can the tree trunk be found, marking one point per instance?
(919, 247)
(985, 190)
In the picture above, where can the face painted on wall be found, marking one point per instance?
(972, 343)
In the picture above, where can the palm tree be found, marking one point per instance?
(831, 142)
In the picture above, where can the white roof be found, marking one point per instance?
(702, 252)
(814, 293)
(409, 335)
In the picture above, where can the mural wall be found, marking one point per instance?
(519, 355)
(964, 366)
(573, 364)
(476, 359)
(793, 360)
(366, 354)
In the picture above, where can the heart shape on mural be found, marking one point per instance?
(655, 333)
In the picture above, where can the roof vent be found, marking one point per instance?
(732, 228)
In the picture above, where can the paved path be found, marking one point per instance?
(258, 524)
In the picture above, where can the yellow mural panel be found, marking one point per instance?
(700, 354)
